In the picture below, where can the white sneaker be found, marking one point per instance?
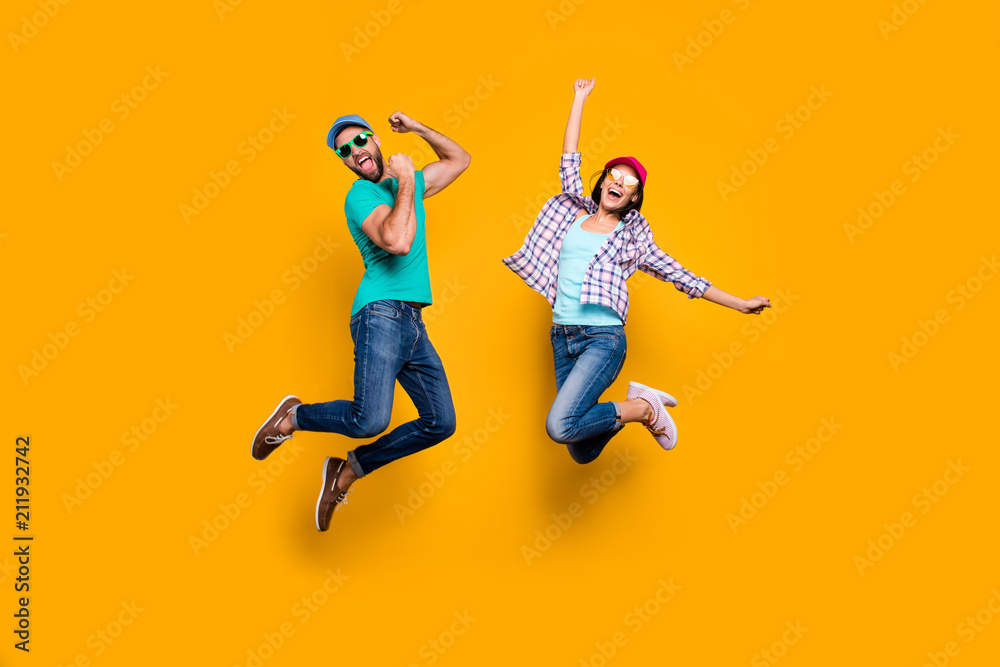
(633, 392)
(662, 425)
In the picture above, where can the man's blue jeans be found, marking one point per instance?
(587, 361)
(390, 343)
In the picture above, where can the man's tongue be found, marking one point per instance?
(366, 163)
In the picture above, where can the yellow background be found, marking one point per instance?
(665, 518)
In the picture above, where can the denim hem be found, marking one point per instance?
(355, 464)
(618, 412)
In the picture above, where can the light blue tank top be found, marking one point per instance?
(578, 249)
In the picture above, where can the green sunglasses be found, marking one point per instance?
(359, 141)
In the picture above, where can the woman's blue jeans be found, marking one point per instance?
(390, 343)
(587, 361)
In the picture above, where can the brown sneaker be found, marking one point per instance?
(330, 496)
(268, 437)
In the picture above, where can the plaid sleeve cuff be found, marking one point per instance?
(697, 288)
(570, 159)
(569, 173)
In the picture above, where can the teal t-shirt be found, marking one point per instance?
(387, 276)
(578, 249)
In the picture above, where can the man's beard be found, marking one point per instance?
(376, 175)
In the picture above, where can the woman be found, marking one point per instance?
(578, 254)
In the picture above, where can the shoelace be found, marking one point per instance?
(278, 439)
(656, 431)
(652, 421)
(341, 499)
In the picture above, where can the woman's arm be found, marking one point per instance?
(662, 266)
(571, 139)
(747, 306)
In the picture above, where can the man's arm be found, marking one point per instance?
(571, 138)
(453, 158)
(393, 229)
(746, 306)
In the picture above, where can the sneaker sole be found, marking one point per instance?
(667, 399)
(672, 423)
(266, 421)
(326, 466)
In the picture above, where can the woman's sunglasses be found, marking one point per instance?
(630, 181)
(359, 141)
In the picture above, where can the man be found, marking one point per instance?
(385, 215)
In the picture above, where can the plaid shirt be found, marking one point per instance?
(629, 249)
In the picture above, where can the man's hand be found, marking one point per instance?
(755, 305)
(400, 167)
(401, 123)
(583, 87)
